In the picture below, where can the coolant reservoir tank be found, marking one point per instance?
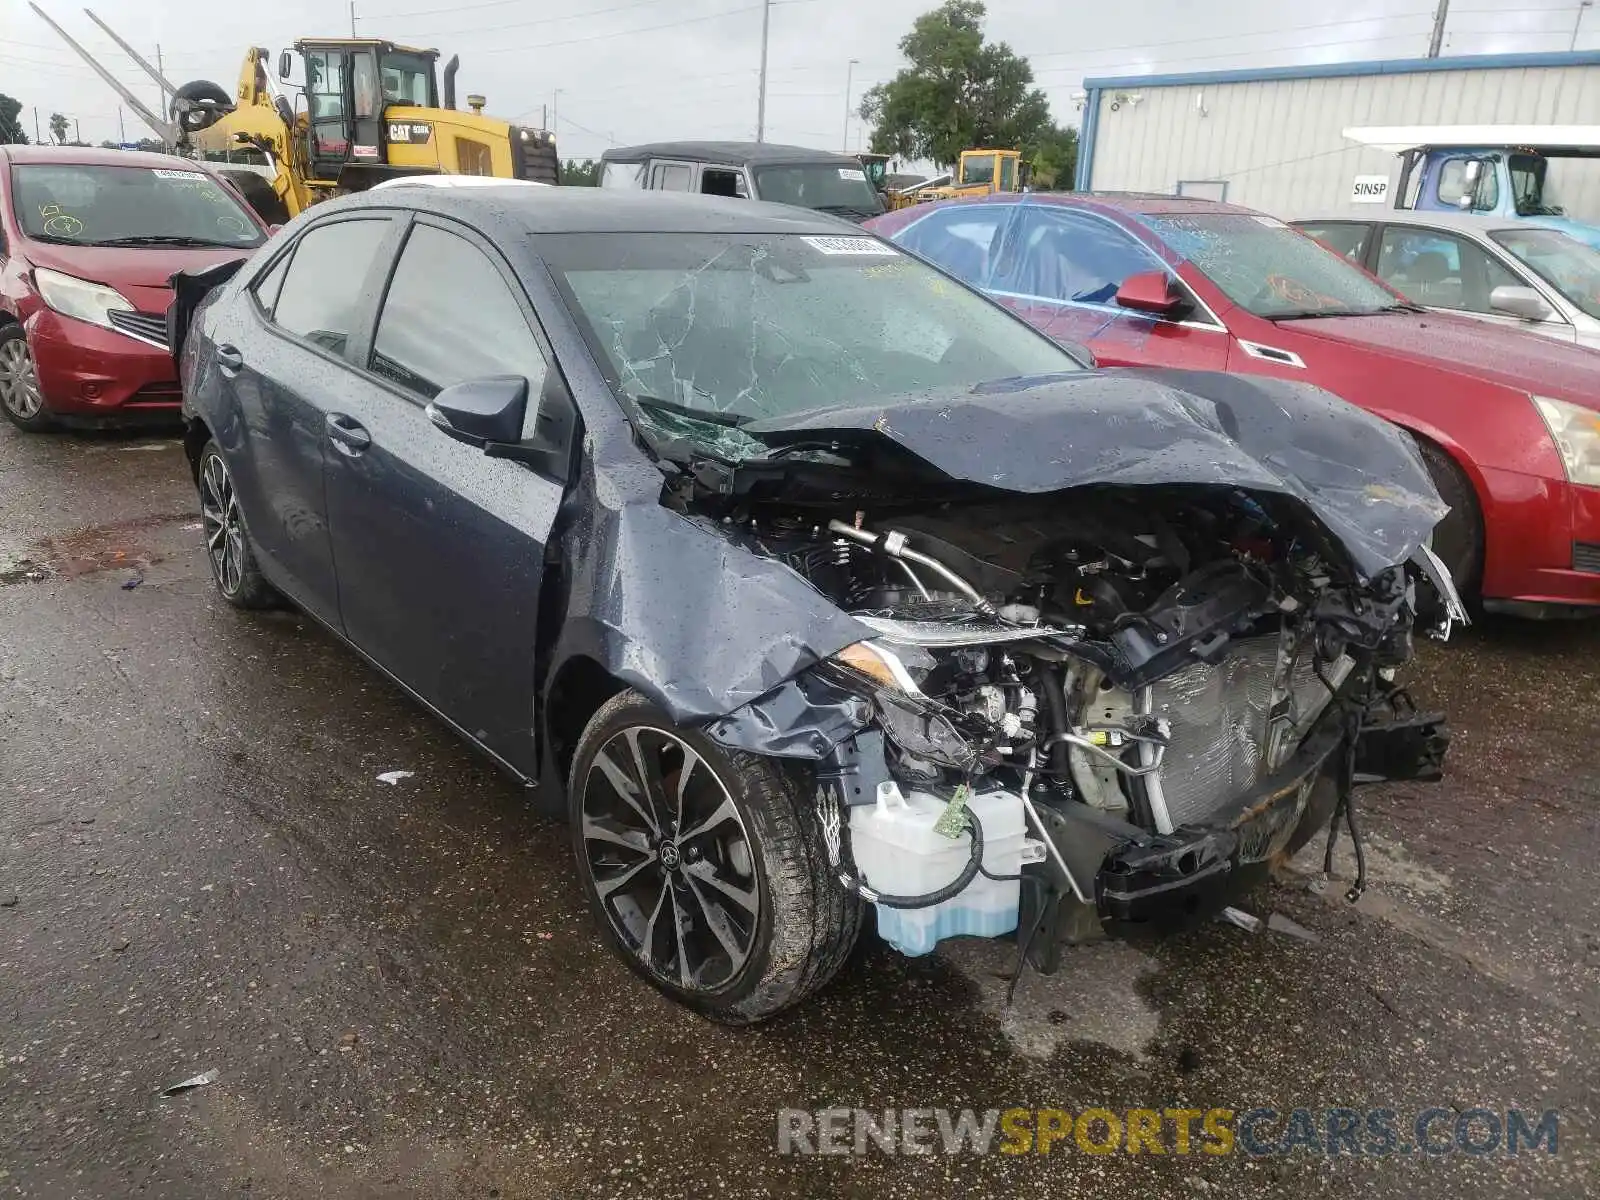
(897, 852)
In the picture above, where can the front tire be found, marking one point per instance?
(705, 867)
(232, 558)
(1458, 539)
(20, 397)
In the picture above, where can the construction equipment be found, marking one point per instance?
(982, 173)
(368, 110)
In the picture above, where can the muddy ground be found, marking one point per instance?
(401, 993)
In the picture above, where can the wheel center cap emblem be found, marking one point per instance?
(669, 856)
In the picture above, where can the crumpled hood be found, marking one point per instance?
(1357, 474)
(1460, 345)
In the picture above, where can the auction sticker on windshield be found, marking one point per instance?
(162, 174)
(852, 245)
(853, 174)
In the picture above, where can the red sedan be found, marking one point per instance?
(88, 240)
(1507, 422)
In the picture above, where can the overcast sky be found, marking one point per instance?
(642, 70)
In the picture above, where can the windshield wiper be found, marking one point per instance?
(709, 416)
(164, 239)
(846, 210)
(1307, 314)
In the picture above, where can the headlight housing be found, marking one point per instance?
(1575, 430)
(78, 298)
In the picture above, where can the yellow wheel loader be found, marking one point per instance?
(981, 173)
(367, 110)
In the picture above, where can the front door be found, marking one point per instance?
(1060, 270)
(278, 365)
(439, 548)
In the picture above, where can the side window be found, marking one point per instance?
(720, 181)
(267, 287)
(1438, 269)
(1346, 238)
(320, 294)
(1453, 183)
(450, 316)
(963, 239)
(671, 177)
(1063, 255)
(622, 175)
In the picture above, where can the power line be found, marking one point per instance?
(1188, 58)
(1225, 37)
(601, 37)
(598, 12)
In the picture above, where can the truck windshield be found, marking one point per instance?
(727, 329)
(1567, 265)
(79, 204)
(1529, 188)
(827, 187)
(1269, 269)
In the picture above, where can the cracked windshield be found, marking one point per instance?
(705, 333)
(1272, 271)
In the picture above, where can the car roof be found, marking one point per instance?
(98, 156)
(1146, 203)
(454, 181)
(1464, 222)
(727, 153)
(601, 210)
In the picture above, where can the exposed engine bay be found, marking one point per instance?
(1138, 669)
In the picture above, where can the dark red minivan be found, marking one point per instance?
(88, 240)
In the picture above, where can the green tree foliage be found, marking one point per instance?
(58, 128)
(11, 133)
(1054, 155)
(581, 172)
(958, 93)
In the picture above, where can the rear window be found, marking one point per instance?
(90, 205)
(830, 187)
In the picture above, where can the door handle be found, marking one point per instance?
(347, 434)
(229, 359)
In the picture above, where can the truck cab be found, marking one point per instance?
(836, 184)
(1506, 171)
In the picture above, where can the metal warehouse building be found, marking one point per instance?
(1271, 138)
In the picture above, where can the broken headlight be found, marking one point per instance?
(918, 725)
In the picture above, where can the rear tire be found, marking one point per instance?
(1458, 539)
(20, 397)
(710, 878)
(228, 548)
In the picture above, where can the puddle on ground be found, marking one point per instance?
(1094, 997)
(114, 547)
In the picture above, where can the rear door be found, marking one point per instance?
(282, 371)
(1060, 269)
(439, 548)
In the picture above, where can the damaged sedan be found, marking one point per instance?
(809, 582)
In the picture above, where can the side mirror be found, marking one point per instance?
(1150, 292)
(1473, 171)
(272, 229)
(285, 65)
(1523, 302)
(1465, 200)
(481, 411)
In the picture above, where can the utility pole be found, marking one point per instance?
(761, 104)
(122, 134)
(1582, 4)
(77, 130)
(849, 70)
(1438, 28)
(37, 140)
(555, 111)
(352, 18)
(544, 117)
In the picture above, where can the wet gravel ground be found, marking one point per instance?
(401, 993)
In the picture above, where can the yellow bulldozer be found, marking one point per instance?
(367, 110)
(981, 172)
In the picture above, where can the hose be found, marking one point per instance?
(894, 545)
(1055, 703)
(927, 899)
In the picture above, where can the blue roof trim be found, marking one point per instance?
(1377, 66)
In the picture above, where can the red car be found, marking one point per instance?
(88, 240)
(1507, 422)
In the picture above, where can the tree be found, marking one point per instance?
(959, 92)
(1054, 155)
(11, 133)
(58, 128)
(581, 172)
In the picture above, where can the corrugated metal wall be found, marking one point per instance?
(1278, 142)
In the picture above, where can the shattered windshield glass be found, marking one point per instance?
(702, 333)
(1271, 270)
